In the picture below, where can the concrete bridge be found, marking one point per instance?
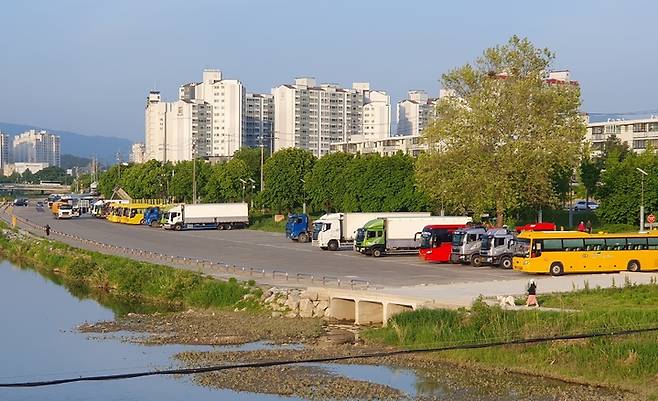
(43, 188)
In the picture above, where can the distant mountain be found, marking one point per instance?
(104, 148)
(71, 161)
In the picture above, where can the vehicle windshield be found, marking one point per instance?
(425, 240)
(65, 207)
(317, 227)
(457, 239)
(521, 247)
(486, 242)
(360, 234)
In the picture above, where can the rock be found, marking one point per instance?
(294, 296)
(270, 299)
(281, 300)
(305, 308)
(276, 314)
(291, 314)
(311, 295)
(292, 304)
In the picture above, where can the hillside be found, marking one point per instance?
(104, 148)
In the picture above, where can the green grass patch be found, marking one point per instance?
(266, 223)
(126, 279)
(628, 362)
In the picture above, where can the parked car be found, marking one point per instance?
(585, 205)
(20, 202)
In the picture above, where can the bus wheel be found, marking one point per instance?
(303, 237)
(476, 260)
(377, 252)
(557, 269)
(633, 266)
(506, 262)
(333, 245)
(142, 222)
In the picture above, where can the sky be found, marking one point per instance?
(87, 66)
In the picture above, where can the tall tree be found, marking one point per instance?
(283, 175)
(224, 183)
(325, 184)
(498, 139)
(251, 157)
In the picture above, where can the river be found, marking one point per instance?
(38, 341)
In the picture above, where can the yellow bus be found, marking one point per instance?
(133, 213)
(115, 213)
(559, 252)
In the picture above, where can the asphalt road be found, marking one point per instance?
(269, 251)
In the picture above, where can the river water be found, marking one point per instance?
(38, 341)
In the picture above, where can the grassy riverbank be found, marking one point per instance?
(125, 278)
(627, 362)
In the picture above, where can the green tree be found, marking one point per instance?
(283, 175)
(181, 183)
(27, 177)
(590, 172)
(224, 181)
(496, 142)
(325, 184)
(251, 158)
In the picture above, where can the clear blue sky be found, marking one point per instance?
(86, 66)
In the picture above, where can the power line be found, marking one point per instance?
(265, 364)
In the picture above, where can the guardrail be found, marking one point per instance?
(277, 276)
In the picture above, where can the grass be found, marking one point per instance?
(124, 278)
(627, 362)
(265, 222)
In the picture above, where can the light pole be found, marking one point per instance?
(261, 161)
(304, 191)
(642, 199)
(244, 183)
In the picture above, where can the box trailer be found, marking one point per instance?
(221, 216)
(398, 234)
(335, 229)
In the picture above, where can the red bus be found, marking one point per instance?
(436, 242)
(537, 227)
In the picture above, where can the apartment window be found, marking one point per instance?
(639, 144)
(653, 127)
(640, 127)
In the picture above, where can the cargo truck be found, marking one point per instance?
(397, 235)
(221, 216)
(335, 229)
(298, 227)
(466, 244)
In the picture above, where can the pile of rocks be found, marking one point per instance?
(295, 302)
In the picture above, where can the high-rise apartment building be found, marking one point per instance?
(415, 112)
(312, 117)
(4, 150)
(206, 120)
(36, 147)
(258, 121)
(137, 152)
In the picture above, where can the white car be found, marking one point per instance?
(585, 205)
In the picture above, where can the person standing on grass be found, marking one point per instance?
(47, 228)
(581, 227)
(532, 294)
(588, 226)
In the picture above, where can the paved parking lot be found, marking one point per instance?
(269, 251)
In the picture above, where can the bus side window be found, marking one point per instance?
(653, 243)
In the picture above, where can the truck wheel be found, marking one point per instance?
(506, 262)
(303, 237)
(333, 245)
(476, 260)
(556, 269)
(154, 224)
(220, 226)
(229, 226)
(178, 226)
(377, 252)
(454, 259)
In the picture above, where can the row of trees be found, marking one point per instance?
(51, 174)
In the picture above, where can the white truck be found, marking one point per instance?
(398, 235)
(221, 216)
(335, 229)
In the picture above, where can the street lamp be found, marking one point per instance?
(642, 199)
(244, 183)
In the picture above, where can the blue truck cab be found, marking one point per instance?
(298, 227)
(152, 216)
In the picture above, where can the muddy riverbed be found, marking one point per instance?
(419, 377)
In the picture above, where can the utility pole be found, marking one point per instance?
(261, 161)
(304, 191)
(642, 199)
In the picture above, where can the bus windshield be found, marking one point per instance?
(521, 248)
(426, 240)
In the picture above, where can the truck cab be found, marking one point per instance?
(497, 247)
(297, 227)
(65, 211)
(327, 231)
(436, 242)
(466, 246)
(152, 216)
(373, 241)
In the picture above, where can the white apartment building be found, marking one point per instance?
(408, 144)
(637, 134)
(137, 152)
(414, 113)
(4, 150)
(312, 117)
(206, 120)
(258, 121)
(36, 147)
